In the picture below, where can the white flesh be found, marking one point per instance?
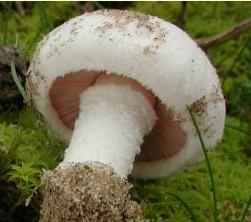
(112, 123)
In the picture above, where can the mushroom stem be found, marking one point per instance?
(112, 122)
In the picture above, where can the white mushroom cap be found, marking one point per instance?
(157, 54)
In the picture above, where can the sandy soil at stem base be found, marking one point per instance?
(87, 192)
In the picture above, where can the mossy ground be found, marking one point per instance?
(26, 146)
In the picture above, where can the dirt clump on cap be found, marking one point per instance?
(87, 192)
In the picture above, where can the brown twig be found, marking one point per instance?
(182, 16)
(214, 40)
(20, 8)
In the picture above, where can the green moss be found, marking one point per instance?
(39, 20)
(26, 148)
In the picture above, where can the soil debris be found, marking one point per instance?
(87, 192)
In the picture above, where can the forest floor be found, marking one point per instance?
(26, 146)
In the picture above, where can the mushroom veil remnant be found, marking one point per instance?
(116, 84)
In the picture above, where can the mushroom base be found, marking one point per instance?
(87, 192)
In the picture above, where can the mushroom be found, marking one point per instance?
(116, 84)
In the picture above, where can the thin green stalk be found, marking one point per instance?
(16, 41)
(5, 30)
(98, 5)
(185, 205)
(237, 58)
(44, 16)
(46, 25)
(6, 17)
(209, 167)
(239, 54)
(237, 129)
(17, 81)
(246, 209)
(223, 59)
(34, 40)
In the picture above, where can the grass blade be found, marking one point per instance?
(6, 17)
(235, 61)
(185, 205)
(246, 210)
(237, 129)
(5, 29)
(34, 39)
(209, 167)
(44, 16)
(17, 81)
(46, 25)
(98, 5)
(239, 55)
